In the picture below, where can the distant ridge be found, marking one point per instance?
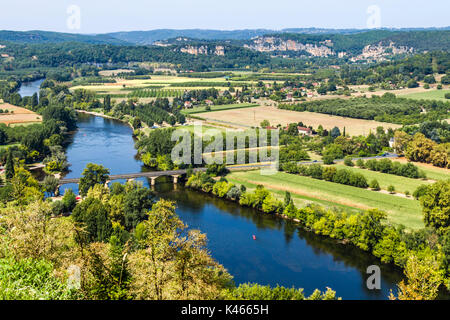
(37, 36)
(149, 37)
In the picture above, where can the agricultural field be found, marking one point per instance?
(13, 115)
(123, 87)
(413, 93)
(155, 93)
(427, 95)
(247, 117)
(306, 190)
(432, 172)
(401, 184)
(218, 108)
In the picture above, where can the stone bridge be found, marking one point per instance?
(153, 175)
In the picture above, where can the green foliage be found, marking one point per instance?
(216, 169)
(374, 185)
(50, 184)
(436, 206)
(348, 161)
(391, 189)
(385, 109)
(9, 167)
(28, 279)
(93, 174)
(70, 200)
(420, 191)
(137, 201)
(93, 215)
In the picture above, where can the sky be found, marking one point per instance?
(102, 16)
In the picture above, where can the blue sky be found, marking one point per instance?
(99, 16)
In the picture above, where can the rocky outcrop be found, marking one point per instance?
(271, 44)
(204, 49)
(380, 51)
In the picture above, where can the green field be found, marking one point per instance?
(219, 108)
(401, 184)
(434, 173)
(432, 94)
(400, 210)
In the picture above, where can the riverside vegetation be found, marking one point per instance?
(424, 253)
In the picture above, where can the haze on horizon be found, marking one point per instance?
(101, 16)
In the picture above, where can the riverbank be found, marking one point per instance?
(101, 114)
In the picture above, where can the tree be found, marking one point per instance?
(360, 163)
(436, 206)
(136, 123)
(287, 198)
(401, 140)
(174, 263)
(374, 185)
(335, 132)
(93, 215)
(50, 184)
(391, 189)
(440, 155)
(264, 124)
(93, 174)
(107, 103)
(9, 167)
(348, 161)
(423, 280)
(419, 149)
(333, 151)
(137, 201)
(70, 200)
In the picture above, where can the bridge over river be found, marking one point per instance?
(153, 175)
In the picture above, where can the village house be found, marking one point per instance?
(304, 131)
(187, 104)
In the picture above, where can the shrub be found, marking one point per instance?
(358, 180)
(391, 189)
(407, 193)
(69, 200)
(315, 171)
(420, 191)
(348, 161)
(328, 159)
(360, 163)
(58, 208)
(343, 176)
(374, 185)
(329, 173)
(234, 193)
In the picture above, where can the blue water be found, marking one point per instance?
(281, 254)
(29, 88)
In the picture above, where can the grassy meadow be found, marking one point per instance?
(401, 184)
(305, 190)
(431, 94)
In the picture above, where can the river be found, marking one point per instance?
(29, 88)
(281, 254)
